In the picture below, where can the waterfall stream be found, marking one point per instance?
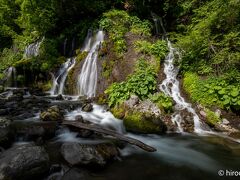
(87, 81)
(10, 77)
(33, 49)
(59, 80)
(170, 86)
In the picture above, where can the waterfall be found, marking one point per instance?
(87, 41)
(33, 49)
(11, 77)
(170, 86)
(87, 81)
(158, 24)
(59, 80)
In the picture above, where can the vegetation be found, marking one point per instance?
(212, 91)
(117, 23)
(163, 101)
(141, 83)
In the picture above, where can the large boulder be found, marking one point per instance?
(142, 116)
(6, 133)
(88, 154)
(52, 114)
(23, 162)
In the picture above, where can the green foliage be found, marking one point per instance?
(117, 23)
(8, 57)
(212, 91)
(211, 117)
(141, 83)
(157, 49)
(164, 102)
(211, 39)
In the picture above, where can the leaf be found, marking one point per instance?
(235, 92)
(222, 91)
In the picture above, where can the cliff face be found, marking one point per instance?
(111, 67)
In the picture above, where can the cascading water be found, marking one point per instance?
(170, 86)
(87, 82)
(10, 74)
(33, 49)
(87, 41)
(59, 80)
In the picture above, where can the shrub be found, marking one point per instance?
(163, 101)
(141, 83)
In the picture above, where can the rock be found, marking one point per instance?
(60, 97)
(225, 121)
(34, 130)
(86, 154)
(83, 99)
(4, 112)
(74, 174)
(134, 100)
(23, 162)
(203, 114)
(52, 114)
(82, 132)
(6, 133)
(87, 107)
(218, 113)
(140, 122)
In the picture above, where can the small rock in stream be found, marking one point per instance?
(52, 114)
(87, 107)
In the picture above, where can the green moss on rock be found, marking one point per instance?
(143, 123)
(211, 118)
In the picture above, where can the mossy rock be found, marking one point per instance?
(212, 118)
(143, 123)
(52, 114)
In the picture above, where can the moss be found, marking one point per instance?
(81, 56)
(212, 118)
(143, 123)
(118, 111)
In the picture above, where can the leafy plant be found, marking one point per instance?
(141, 83)
(163, 102)
(213, 91)
(157, 49)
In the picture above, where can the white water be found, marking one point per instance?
(59, 80)
(11, 74)
(87, 81)
(87, 41)
(99, 116)
(170, 86)
(33, 49)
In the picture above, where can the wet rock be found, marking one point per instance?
(52, 114)
(86, 154)
(87, 107)
(140, 122)
(225, 121)
(82, 132)
(203, 114)
(34, 130)
(74, 174)
(23, 162)
(60, 97)
(6, 133)
(134, 100)
(83, 99)
(4, 112)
